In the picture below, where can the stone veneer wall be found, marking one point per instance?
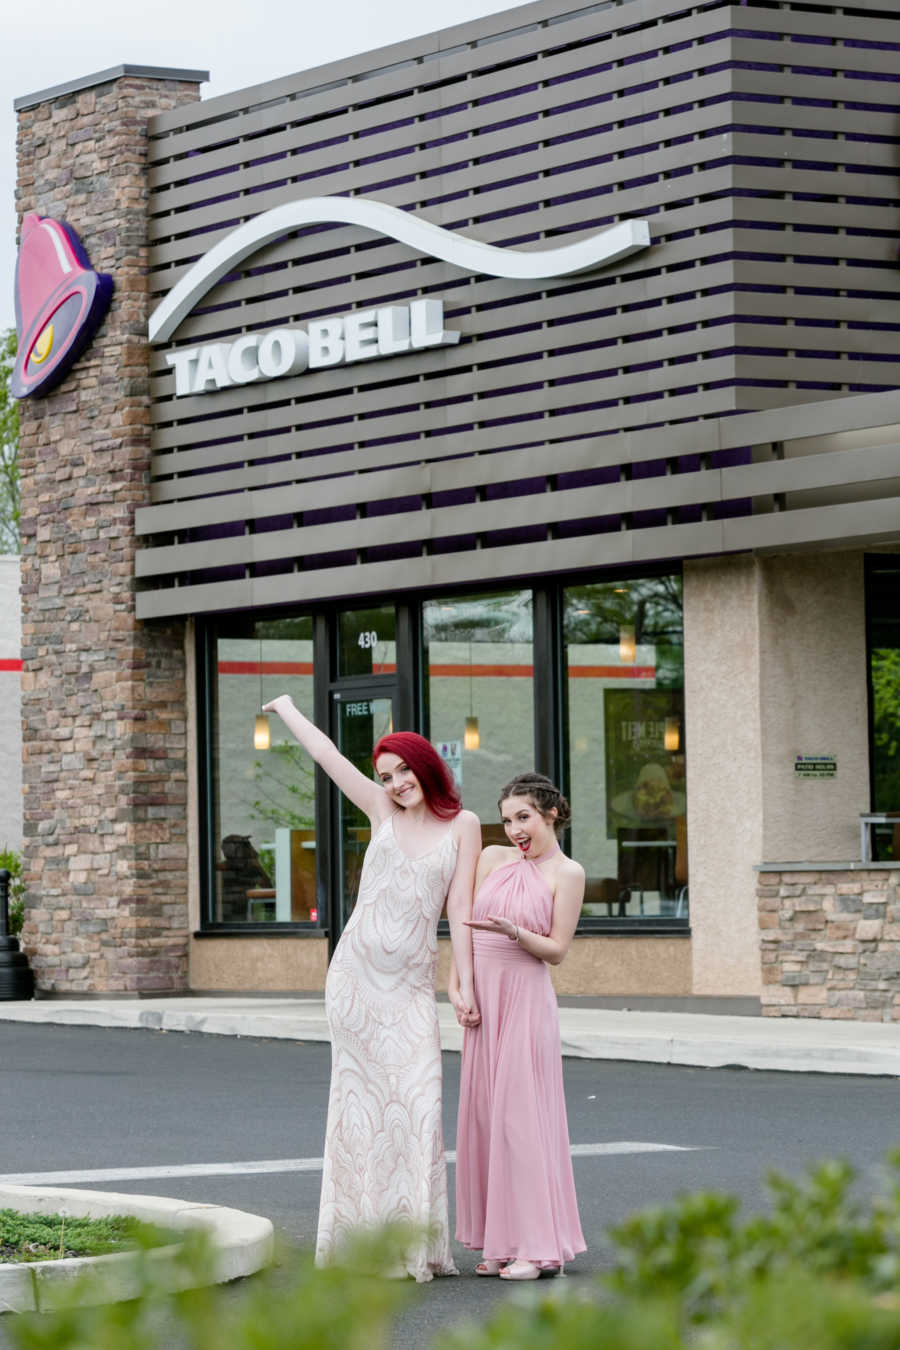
(830, 943)
(103, 697)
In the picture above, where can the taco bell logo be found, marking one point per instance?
(60, 303)
(339, 340)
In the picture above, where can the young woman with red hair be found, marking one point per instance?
(384, 1151)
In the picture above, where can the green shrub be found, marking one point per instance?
(47, 1237)
(14, 864)
(297, 1307)
(696, 1252)
(819, 1271)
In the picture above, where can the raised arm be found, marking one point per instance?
(364, 792)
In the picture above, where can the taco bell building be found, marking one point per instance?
(533, 385)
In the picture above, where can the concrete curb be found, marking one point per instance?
(241, 1244)
(794, 1045)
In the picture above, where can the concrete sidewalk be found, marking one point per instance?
(803, 1045)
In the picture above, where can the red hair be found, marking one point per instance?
(435, 779)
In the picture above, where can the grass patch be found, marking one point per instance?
(50, 1237)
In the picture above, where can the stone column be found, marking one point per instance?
(103, 697)
(774, 668)
(724, 772)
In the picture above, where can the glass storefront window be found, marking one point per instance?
(883, 598)
(617, 736)
(366, 641)
(625, 689)
(263, 850)
(478, 670)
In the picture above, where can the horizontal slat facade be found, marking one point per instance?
(761, 145)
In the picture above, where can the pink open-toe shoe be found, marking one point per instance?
(521, 1270)
(491, 1267)
(528, 1270)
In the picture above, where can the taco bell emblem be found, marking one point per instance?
(60, 303)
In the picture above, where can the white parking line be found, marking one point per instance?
(282, 1165)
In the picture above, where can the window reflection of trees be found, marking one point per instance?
(653, 606)
(502, 617)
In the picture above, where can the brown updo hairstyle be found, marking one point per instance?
(543, 796)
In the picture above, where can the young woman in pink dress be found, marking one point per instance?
(515, 1191)
(384, 1148)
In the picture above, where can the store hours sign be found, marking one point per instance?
(362, 335)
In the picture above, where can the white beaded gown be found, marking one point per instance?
(384, 1146)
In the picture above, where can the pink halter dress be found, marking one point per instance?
(515, 1191)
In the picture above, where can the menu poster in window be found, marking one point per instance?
(644, 779)
(451, 753)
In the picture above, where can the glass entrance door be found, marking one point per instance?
(360, 721)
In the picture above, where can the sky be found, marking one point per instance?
(240, 43)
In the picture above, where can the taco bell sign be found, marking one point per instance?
(342, 339)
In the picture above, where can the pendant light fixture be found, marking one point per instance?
(471, 738)
(672, 734)
(626, 644)
(261, 735)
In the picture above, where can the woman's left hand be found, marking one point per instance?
(467, 1014)
(494, 923)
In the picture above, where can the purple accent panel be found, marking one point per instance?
(504, 94)
(585, 478)
(458, 430)
(648, 520)
(522, 487)
(207, 575)
(272, 568)
(522, 534)
(270, 523)
(460, 543)
(319, 561)
(651, 468)
(388, 154)
(511, 421)
(872, 46)
(223, 197)
(581, 75)
(445, 112)
(232, 530)
(732, 458)
(445, 197)
(596, 405)
(870, 75)
(391, 552)
(742, 506)
(576, 529)
(386, 126)
(329, 515)
(455, 497)
(394, 506)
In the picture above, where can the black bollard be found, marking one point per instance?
(16, 977)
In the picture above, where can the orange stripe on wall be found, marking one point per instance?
(265, 668)
(612, 672)
(287, 668)
(454, 671)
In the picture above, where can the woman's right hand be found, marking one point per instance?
(362, 790)
(276, 704)
(465, 1007)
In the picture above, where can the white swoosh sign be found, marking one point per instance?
(607, 246)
